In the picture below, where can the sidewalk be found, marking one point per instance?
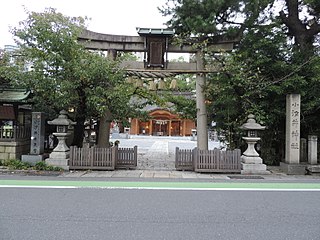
(276, 174)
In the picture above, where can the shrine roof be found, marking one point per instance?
(155, 31)
(12, 95)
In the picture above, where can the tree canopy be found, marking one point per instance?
(63, 74)
(278, 54)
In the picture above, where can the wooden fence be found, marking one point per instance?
(127, 157)
(184, 159)
(208, 160)
(218, 161)
(102, 158)
(92, 158)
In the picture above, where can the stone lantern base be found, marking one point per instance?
(59, 159)
(63, 163)
(253, 165)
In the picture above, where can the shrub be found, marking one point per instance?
(15, 164)
(42, 166)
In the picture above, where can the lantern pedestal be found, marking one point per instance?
(251, 163)
(60, 155)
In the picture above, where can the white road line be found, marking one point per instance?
(166, 188)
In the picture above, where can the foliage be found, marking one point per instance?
(268, 63)
(14, 164)
(63, 74)
(183, 105)
(207, 18)
(42, 166)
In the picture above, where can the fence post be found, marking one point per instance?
(71, 156)
(135, 155)
(114, 155)
(176, 157)
(195, 157)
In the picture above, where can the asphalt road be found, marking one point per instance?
(90, 213)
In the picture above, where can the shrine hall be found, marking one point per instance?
(162, 123)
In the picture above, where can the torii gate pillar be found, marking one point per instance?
(202, 131)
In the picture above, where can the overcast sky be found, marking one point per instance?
(107, 16)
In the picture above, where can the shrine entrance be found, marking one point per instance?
(160, 128)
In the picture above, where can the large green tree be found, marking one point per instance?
(278, 54)
(63, 74)
(207, 18)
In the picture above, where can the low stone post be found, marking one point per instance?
(312, 149)
(303, 150)
(60, 155)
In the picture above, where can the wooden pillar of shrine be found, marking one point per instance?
(150, 127)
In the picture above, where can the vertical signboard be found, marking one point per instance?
(37, 133)
(293, 103)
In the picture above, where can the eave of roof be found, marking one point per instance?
(14, 95)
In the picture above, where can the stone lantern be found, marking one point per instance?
(60, 154)
(251, 162)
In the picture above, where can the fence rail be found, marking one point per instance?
(208, 160)
(14, 133)
(102, 158)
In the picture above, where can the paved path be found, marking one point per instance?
(158, 153)
(157, 157)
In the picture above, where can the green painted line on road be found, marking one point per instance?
(159, 185)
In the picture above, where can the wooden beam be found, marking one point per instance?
(100, 41)
(173, 67)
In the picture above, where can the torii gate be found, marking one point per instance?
(155, 44)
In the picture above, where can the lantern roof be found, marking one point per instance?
(62, 120)
(251, 124)
(155, 31)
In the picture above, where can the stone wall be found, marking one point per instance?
(14, 150)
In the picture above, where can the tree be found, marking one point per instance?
(302, 19)
(265, 67)
(207, 18)
(62, 73)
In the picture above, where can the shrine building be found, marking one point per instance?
(162, 123)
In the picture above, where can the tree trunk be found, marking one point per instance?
(105, 119)
(80, 119)
(103, 135)
(78, 132)
(303, 35)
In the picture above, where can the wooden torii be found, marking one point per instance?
(155, 44)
